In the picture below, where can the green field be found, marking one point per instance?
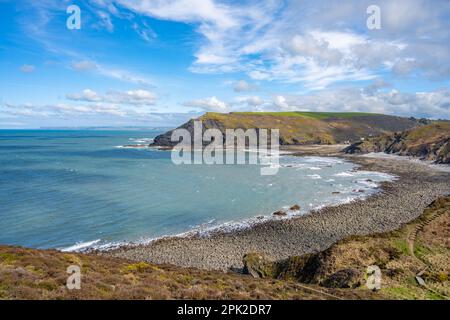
(312, 115)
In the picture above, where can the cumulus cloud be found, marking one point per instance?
(208, 104)
(135, 97)
(433, 104)
(317, 48)
(66, 113)
(281, 103)
(251, 101)
(131, 97)
(316, 44)
(86, 95)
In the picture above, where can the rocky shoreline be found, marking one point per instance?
(399, 202)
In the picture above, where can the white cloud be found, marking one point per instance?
(184, 10)
(242, 86)
(433, 104)
(130, 97)
(123, 75)
(131, 103)
(259, 75)
(62, 110)
(104, 21)
(84, 65)
(314, 47)
(110, 72)
(135, 97)
(145, 32)
(86, 95)
(315, 44)
(251, 101)
(27, 68)
(280, 102)
(208, 104)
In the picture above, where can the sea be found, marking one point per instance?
(75, 190)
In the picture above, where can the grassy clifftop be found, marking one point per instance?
(299, 128)
(429, 142)
(308, 114)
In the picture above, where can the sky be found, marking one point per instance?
(158, 63)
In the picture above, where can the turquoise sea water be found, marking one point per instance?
(74, 189)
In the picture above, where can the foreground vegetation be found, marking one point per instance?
(41, 274)
(421, 247)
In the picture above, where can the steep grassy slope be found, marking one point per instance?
(298, 128)
(422, 245)
(41, 274)
(429, 142)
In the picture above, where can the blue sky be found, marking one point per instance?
(161, 62)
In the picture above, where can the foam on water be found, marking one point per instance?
(80, 246)
(75, 191)
(382, 155)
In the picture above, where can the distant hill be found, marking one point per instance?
(300, 128)
(428, 142)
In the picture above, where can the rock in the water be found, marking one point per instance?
(279, 213)
(295, 207)
(259, 266)
(346, 278)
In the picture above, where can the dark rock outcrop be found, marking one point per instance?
(428, 142)
(164, 140)
(279, 213)
(259, 266)
(346, 278)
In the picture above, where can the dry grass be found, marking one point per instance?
(311, 115)
(389, 251)
(298, 128)
(41, 274)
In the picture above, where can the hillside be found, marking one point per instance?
(420, 248)
(336, 272)
(302, 128)
(41, 275)
(429, 142)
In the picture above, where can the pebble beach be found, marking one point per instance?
(398, 202)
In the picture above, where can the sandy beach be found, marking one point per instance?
(397, 203)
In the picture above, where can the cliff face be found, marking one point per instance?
(429, 142)
(301, 128)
